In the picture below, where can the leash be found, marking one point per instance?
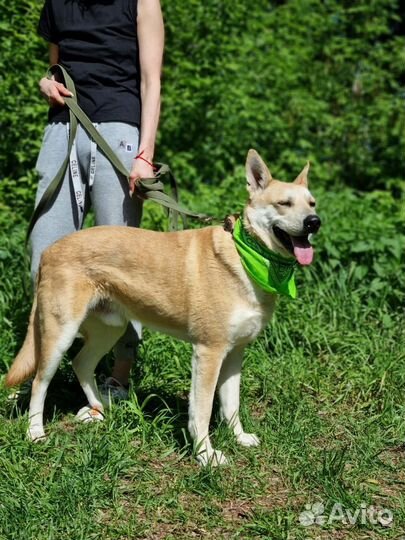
(145, 188)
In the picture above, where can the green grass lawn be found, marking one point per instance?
(323, 388)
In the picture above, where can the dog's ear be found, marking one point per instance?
(257, 174)
(302, 178)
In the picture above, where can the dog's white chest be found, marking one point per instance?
(246, 323)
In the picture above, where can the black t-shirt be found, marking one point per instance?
(98, 46)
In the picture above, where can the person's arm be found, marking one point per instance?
(52, 90)
(151, 42)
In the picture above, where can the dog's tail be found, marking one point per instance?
(26, 361)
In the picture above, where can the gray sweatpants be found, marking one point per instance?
(108, 195)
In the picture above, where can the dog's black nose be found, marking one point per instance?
(312, 224)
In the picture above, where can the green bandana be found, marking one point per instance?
(272, 272)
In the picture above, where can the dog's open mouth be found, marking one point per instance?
(299, 246)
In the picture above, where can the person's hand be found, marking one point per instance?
(140, 169)
(53, 91)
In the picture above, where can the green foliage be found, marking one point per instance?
(363, 241)
(15, 298)
(298, 80)
(23, 60)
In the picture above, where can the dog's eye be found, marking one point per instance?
(285, 203)
(312, 204)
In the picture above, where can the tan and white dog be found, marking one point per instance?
(189, 284)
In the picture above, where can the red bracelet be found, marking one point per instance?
(139, 156)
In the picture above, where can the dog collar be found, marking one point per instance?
(271, 271)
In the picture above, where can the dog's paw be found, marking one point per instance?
(36, 434)
(212, 458)
(88, 414)
(248, 439)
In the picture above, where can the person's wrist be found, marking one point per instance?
(147, 151)
(143, 156)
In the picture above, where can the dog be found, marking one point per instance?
(195, 285)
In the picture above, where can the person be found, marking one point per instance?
(113, 50)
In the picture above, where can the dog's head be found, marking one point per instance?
(281, 214)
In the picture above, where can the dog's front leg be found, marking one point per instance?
(206, 365)
(229, 390)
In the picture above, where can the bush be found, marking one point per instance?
(298, 80)
(23, 60)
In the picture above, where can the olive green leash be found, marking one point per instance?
(146, 188)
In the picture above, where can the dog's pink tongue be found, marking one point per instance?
(303, 250)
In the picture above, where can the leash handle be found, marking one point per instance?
(146, 188)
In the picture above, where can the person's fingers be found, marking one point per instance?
(63, 90)
(54, 92)
(132, 184)
(55, 98)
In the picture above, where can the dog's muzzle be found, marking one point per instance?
(312, 224)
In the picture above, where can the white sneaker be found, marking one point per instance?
(113, 390)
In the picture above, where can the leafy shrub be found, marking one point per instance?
(15, 301)
(297, 80)
(23, 60)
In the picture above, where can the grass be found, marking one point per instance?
(323, 387)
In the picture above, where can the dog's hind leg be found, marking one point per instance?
(99, 339)
(52, 346)
(60, 313)
(229, 390)
(206, 365)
